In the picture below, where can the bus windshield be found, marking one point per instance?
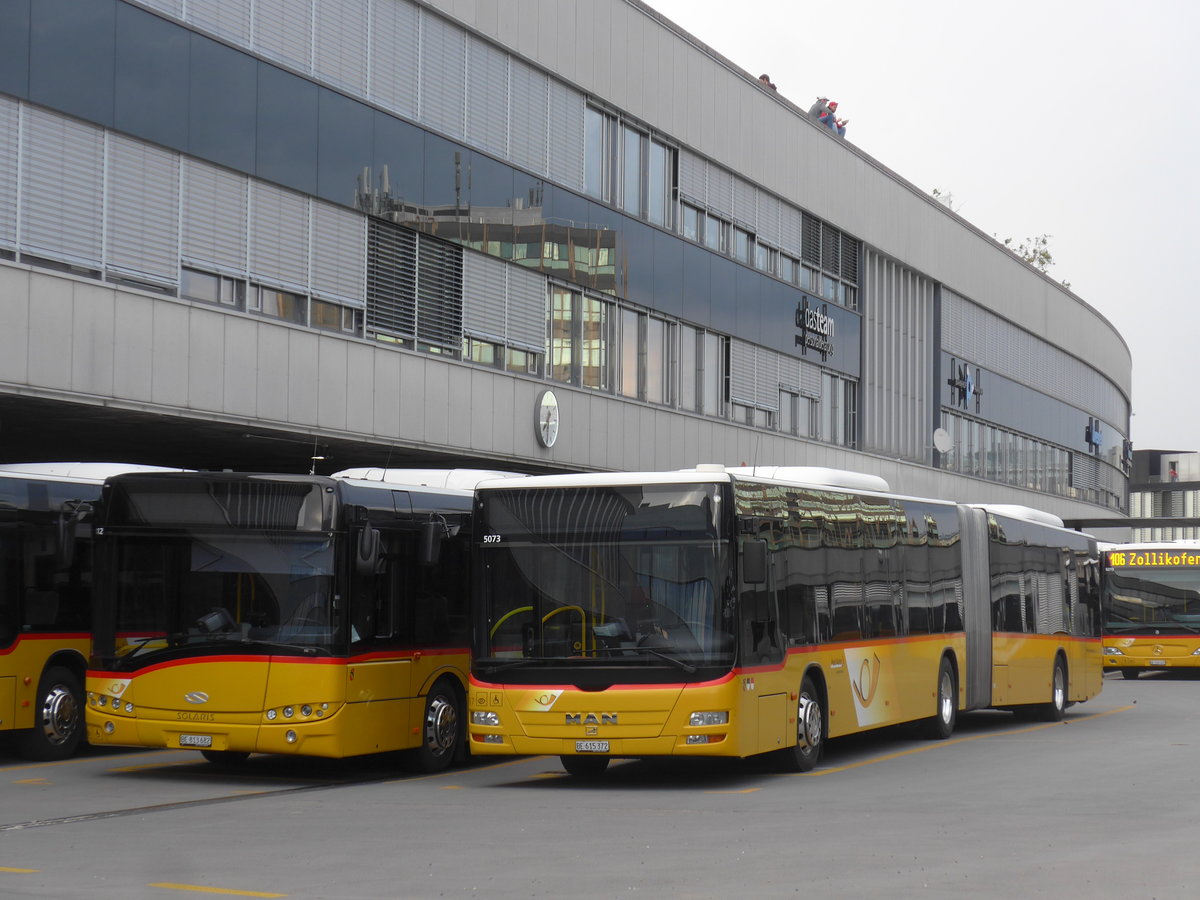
(610, 577)
(223, 593)
(1165, 599)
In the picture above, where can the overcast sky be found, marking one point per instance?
(1072, 118)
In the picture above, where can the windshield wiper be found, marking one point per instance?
(515, 663)
(674, 660)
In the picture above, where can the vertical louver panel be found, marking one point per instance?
(691, 176)
(831, 249)
(485, 297)
(228, 18)
(566, 137)
(810, 249)
(487, 96)
(745, 203)
(143, 210)
(10, 117)
(394, 52)
(720, 190)
(283, 31)
(849, 259)
(741, 372)
(340, 45)
(214, 218)
(526, 326)
(443, 75)
(766, 379)
(391, 280)
(339, 251)
(528, 105)
(279, 236)
(768, 218)
(439, 293)
(62, 198)
(810, 380)
(790, 229)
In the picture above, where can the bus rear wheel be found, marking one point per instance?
(810, 730)
(584, 766)
(441, 729)
(1053, 710)
(941, 726)
(58, 717)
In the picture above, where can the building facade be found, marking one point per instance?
(1165, 485)
(256, 233)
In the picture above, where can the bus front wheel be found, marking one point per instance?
(58, 717)
(441, 729)
(810, 730)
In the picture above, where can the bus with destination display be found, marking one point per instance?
(288, 614)
(736, 612)
(1151, 606)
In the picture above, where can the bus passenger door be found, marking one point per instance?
(761, 650)
(379, 674)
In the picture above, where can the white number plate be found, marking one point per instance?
(1158, 662)
(195, 740)
(591, 746)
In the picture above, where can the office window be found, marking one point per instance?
(712, 373)
(209, 288)
(689, 372)
(659, 360)
(630, 366)
(283, 305)
(692, 218)
(580, 339)
(335, 317)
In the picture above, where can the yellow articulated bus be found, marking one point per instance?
(1151, 604)
(735, 612)
(45, 599)
(288, 614)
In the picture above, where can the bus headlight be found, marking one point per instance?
(709, 718)
(1112, 651)
(485, 717)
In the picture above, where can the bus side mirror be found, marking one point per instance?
(71, 525)
(754, 562)
(366, 553)
(431, 543)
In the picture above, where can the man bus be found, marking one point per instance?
(45, 598)
(716, 612)
(1151, 604)
(288, 614)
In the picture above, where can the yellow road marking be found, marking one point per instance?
(951, 742)
(200, 889)
(19, 871)
(746, 791)
(32, 781)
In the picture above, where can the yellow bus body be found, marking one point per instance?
(868, 685)
(1153, 651)
(258, 704)
(22, 665)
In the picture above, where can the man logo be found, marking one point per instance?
(196, 697)
(591, 719)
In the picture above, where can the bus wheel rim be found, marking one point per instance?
(441, 726)
(60, 715)
(809, 734)
(946, 698)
